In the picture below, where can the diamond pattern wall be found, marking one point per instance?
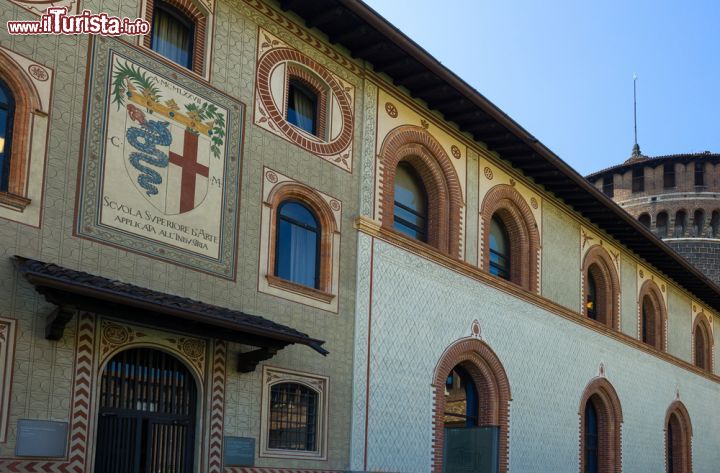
(420, 308)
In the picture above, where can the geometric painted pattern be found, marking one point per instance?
(217, 408)
(90, 348)
(80, 417)
(7, 350)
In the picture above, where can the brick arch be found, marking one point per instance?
(651, 292)
(328, 225)
(682, 438)
(599, 263)
(610, 418)
(682, 211)
(314, 83)
(493, 387)
(198, 16)
(27, 101)
(507, 203)
(702, 329)
(417, 147)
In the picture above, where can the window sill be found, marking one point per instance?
(15, 202)
(294, 454)
(306, 291)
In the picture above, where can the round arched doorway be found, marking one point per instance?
(146, 419)
(472, 402)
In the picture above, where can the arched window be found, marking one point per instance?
(698, 223)
(601, 287)
(7, 114)
(511, 239)
(415, 147)
(680, 224)
(715, 223)
(302, 108)
(461, 399)
(499, 249)
(702, 343)
(661, 223)
(297, 247)
(591, 302)
(590, 445)
(652, 315)
(648, 322)
(471, 389)
(293, 419)
(678, 439)
(645, 220)
(410, 210)
(600, 423)
(173, 34)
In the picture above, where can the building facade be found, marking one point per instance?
(676, 197)
(279, 236)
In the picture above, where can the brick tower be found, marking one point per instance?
(676, 196)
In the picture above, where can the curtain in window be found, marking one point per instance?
(303, 106)
(297, 244)
(7, 110)
(172, 37)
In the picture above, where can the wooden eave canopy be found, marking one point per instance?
(73, 291)
(368, 36)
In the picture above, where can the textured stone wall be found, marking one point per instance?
(42, 374)
(418, 309)
(704, 254)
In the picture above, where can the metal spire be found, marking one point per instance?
(636, 146)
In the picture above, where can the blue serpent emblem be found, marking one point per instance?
(146, 139)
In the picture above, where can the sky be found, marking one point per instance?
(563, 69)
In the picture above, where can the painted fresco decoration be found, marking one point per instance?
(161, 161)
(39, 6)
(277, 64)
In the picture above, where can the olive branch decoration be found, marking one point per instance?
(209, 112)
(123, 73)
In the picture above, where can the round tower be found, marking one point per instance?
(677, 197)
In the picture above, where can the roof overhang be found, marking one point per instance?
(73, 291)
(368, 36)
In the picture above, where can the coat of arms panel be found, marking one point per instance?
(161, 161)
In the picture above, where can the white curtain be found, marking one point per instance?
(171, 38)
(303, 106)
(303, 257)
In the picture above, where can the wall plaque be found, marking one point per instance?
(239, 451)
(160, 161)
(41, 438)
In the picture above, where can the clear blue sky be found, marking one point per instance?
(563, 68)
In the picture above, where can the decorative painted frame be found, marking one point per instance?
(276, 188)
(39, 7)
(276, 62)
(320, 384)
(91, 343)
(32, 85)
(118, 74)
(202, 13)
(7, 357)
